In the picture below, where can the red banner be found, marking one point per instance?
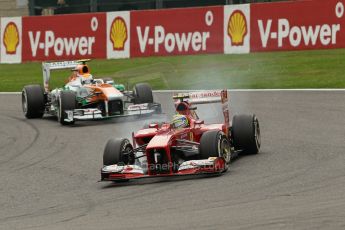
(176, 31)
(64, 37)
(297, 25)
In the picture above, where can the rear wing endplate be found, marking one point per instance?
(48, 66)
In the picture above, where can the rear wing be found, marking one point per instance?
(207, 97)
(49, 66)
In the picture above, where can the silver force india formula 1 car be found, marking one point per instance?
(185, 146)
(85, 98)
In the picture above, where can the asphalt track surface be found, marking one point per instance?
(49, 173)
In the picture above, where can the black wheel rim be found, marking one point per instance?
(128, 156)
(224, 149)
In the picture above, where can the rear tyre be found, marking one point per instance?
(118, 151)
(246, 133)
(142, 93)
(214, 143)
(33, 101)
(67, 101)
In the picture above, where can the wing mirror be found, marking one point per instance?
(199, 122)
(153, 126)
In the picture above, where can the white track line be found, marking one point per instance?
(230, 90)
(9, 93)
(248, 90)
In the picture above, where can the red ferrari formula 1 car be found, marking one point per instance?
(185, 146)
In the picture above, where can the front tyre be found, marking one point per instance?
(66, 101)
(33, 102)
(214, 143)
(118, 151)
(246, 133)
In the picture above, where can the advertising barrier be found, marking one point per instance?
(118, 34)
(257, 27)
(236, 29)
(297, 25)
(177, 31)
(11, 40)
(64, 37)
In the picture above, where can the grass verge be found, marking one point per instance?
(294, 69)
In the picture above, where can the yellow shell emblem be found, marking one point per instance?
(118, 34)
(237, 28)
(11, 38)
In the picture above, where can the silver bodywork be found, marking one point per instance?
(83, 92)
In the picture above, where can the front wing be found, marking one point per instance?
(212, 165)
(96, 114)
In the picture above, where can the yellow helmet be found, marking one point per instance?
(180, 121)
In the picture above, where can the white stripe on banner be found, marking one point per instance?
(230, 90)
(248, 90)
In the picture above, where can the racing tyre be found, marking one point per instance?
(33, 101)
(214, 143)
(246, 133)
(118, 151)
(67, 101)
(142, 93)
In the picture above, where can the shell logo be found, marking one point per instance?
(118, 33)
(237, 28)
(11, 38)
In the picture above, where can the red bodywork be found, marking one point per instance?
(164, 137)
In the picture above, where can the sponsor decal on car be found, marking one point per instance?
(192, 164)
(205, 94)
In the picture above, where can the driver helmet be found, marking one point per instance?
(83, 73)
(180, 121)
